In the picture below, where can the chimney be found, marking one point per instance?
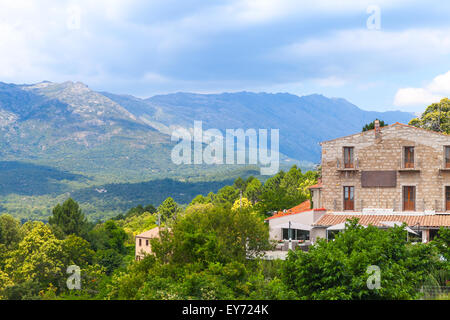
(377, 130)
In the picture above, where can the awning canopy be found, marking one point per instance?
(340, 226)
(392, 224)
(294, 225)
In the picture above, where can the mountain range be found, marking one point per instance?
(93, 138)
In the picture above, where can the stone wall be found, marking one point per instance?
(386, 153)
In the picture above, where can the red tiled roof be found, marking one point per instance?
(302, 207)
(366, 219)
(316, 186)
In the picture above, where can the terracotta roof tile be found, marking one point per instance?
(366, 219)
(302, 207)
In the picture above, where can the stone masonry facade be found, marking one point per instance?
(383, 149)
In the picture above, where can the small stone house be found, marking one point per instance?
(143, 246)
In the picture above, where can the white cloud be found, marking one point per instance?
(437, 89)
(331, 81)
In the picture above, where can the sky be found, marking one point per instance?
(379, 55)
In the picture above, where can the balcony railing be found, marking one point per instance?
(341, 165)
(409, 166)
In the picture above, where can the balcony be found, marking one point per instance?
(343, 166)
(445, 167)
(409, 166)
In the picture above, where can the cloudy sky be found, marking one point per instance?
(380, 55)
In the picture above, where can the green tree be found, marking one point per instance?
(285, 190)
(216, 235)
(225, 197)
(38, 259)
(77, 251)
(338, 269)
(168, 209)
(9, 231)
(254, 190)
(442, 243)
(436, 117)
(200, 199)
(68, 219)
(371, 126)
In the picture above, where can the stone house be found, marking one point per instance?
(392, 174)
(143, 246)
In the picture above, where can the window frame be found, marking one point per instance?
(447, 157)
(351, 155)
(408, 164)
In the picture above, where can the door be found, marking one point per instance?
(349, 198)
(409, 198)
(447, 198)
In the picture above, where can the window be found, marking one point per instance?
(140, 242)
(409, 157)
(146, 243)
(296, 234)
(409, 198)
(348, 157)
(447, 157)
(447, 198)
(349, 198)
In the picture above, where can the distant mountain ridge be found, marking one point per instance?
(65, 139)
(303, 121)
(47, 115)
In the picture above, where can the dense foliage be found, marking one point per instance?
(211, 249)
(338, 269)
(436, 117)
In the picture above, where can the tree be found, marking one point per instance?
(9, 231)
(168, 209)
(200, 199)
(225, 197)
(246, 204)
(253, 190)
(109, 236)
(38, 259)
(216, 235)
(371, 126)
(338, 269)
(77, 251)
(285, 190)
(442, 243)
(68, 219)
(436, 117)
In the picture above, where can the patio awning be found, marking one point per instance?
(294, 225)
(392, 224)
(340, 226)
